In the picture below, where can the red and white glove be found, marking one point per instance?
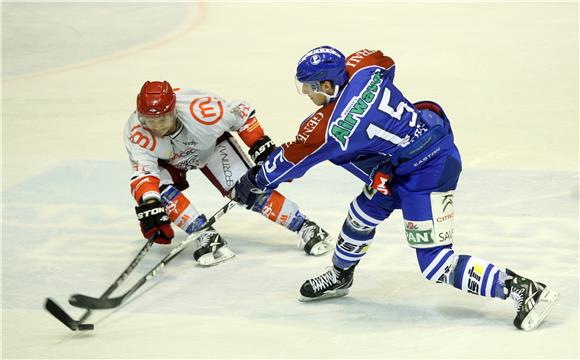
(155, 222)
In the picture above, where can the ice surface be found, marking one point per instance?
(70, 74)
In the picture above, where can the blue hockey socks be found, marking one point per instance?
(353, 243)
(464, 272)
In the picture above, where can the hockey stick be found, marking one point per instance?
(53, 308)
(89, 302)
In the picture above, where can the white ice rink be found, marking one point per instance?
(506, 73)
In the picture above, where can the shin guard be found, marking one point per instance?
(277, 208)
(478, 277)
(180, 210)
(353, 243)
(464, 272)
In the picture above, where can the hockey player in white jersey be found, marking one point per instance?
(176, 130)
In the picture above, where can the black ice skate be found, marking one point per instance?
(314, 239)
(533, 300)
(212, 248)
(333, 283)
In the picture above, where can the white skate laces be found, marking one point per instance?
(212, 249)
(308, 231)
(314, 239)
(517, 295)
(324, 281)
(210, 238)
(334, 282)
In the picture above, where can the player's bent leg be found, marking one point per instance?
(533, 300)
(366, 211)
(464, 272)
(428, 212)
(312, 238)
(211, 247)
(353, 242)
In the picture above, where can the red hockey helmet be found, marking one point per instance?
(155, 98)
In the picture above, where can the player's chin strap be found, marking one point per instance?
(329, 98)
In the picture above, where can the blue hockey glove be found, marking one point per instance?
(245, 190)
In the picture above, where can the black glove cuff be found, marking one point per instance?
(261, 149)
(149, 209)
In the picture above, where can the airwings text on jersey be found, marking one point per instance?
(357, 108)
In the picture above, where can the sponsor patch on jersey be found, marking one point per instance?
(359, 105)
(206, 110)
(442, 210)
(419, 233)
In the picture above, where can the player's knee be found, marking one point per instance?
(372, 207)
(356, 226)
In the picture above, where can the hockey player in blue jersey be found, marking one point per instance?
(406, 156)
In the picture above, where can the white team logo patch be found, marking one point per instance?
(315, 60)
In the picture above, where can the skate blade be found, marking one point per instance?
(322, 248)
(547, 300)
(326, 295)
(211, 259)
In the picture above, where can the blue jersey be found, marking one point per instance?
(369, 124)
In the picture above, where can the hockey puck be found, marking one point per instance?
(83, 327)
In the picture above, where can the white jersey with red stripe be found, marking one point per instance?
(203, 117)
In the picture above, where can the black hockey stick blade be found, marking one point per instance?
(56, 311)
(92, 303)
(73, 299)
(89, 302)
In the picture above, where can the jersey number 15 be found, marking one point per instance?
(396, 113)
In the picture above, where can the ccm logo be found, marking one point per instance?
(147, 213)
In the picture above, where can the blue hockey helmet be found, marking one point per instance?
(320, 64)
